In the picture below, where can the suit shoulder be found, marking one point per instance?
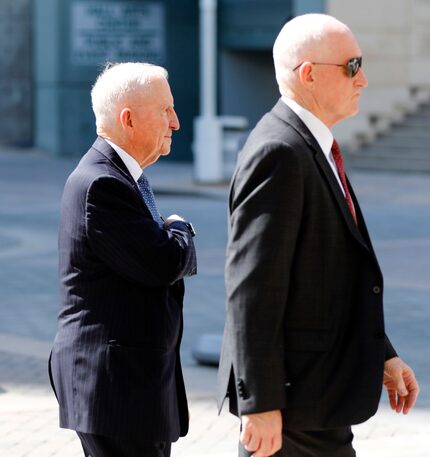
(92, 167)
(272, 142)
(94, 177)
(272, 132)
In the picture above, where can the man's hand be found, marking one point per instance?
(172, 218)
(262, 433)
(401, 385)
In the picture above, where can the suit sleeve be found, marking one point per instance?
(128, 241)
(390, 352)
(265, 215)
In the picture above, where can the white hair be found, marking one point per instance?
(118, 81)
(298, 41)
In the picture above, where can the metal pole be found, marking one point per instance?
(208, 142)
(208, 40)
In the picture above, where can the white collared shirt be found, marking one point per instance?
(320, 132)
(130, 162)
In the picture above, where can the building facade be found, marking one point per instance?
(59, 47)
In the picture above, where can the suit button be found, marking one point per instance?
(241, 389)
(376, 290)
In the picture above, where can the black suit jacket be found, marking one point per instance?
(304, 331)
(115, 362)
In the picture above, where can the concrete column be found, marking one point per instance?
(15, 72)
(419, 62)
(208, 55)
(207, 147)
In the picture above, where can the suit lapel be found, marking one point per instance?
(282, 111)
(361, 223)
(106, 149)
(340, 197)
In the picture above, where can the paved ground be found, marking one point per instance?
(397, 208)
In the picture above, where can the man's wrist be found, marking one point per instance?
(175, 218)
(190, 228)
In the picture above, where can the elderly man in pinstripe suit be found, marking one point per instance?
(115, 364)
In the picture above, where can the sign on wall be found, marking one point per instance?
(103, 31)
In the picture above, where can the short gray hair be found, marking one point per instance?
(116, 82)
(298, 41)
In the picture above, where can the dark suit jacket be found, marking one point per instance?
(304, 330)
(115, 363)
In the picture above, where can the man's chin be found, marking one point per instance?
(354, 112)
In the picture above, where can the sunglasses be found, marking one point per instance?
(352, 66)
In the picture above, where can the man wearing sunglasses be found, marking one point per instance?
(305, 352)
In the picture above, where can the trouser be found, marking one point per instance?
(104, 446)
(322, 443)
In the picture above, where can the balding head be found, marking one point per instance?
(313, 57)
(310, 37)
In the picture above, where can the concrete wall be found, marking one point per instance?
(72, 41)
(247, 84)
(242, 95)
(15, 72)
(394, 37)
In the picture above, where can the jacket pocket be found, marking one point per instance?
(139, 349)
(139, 369)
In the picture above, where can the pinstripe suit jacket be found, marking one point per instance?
(115, 364)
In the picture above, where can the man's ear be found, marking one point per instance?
(126, 118)
(306, 74)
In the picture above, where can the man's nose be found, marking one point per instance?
(362, 78)
(174, 121)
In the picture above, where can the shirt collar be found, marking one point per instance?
(130, 162)
(318, 129)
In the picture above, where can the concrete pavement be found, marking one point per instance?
(397, 208)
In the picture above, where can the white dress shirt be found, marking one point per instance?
(130, 162)
(319, 130)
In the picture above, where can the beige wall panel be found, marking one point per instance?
(419, 67)
(370, 14)
(394, 72)
(346, 131)
(421, 12)
(381, 99)
(376, 45)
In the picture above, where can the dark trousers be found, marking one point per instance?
(104, 446)
(322, 443)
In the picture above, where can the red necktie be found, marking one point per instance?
(337, 156)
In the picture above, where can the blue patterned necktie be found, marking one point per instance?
(149, 199)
